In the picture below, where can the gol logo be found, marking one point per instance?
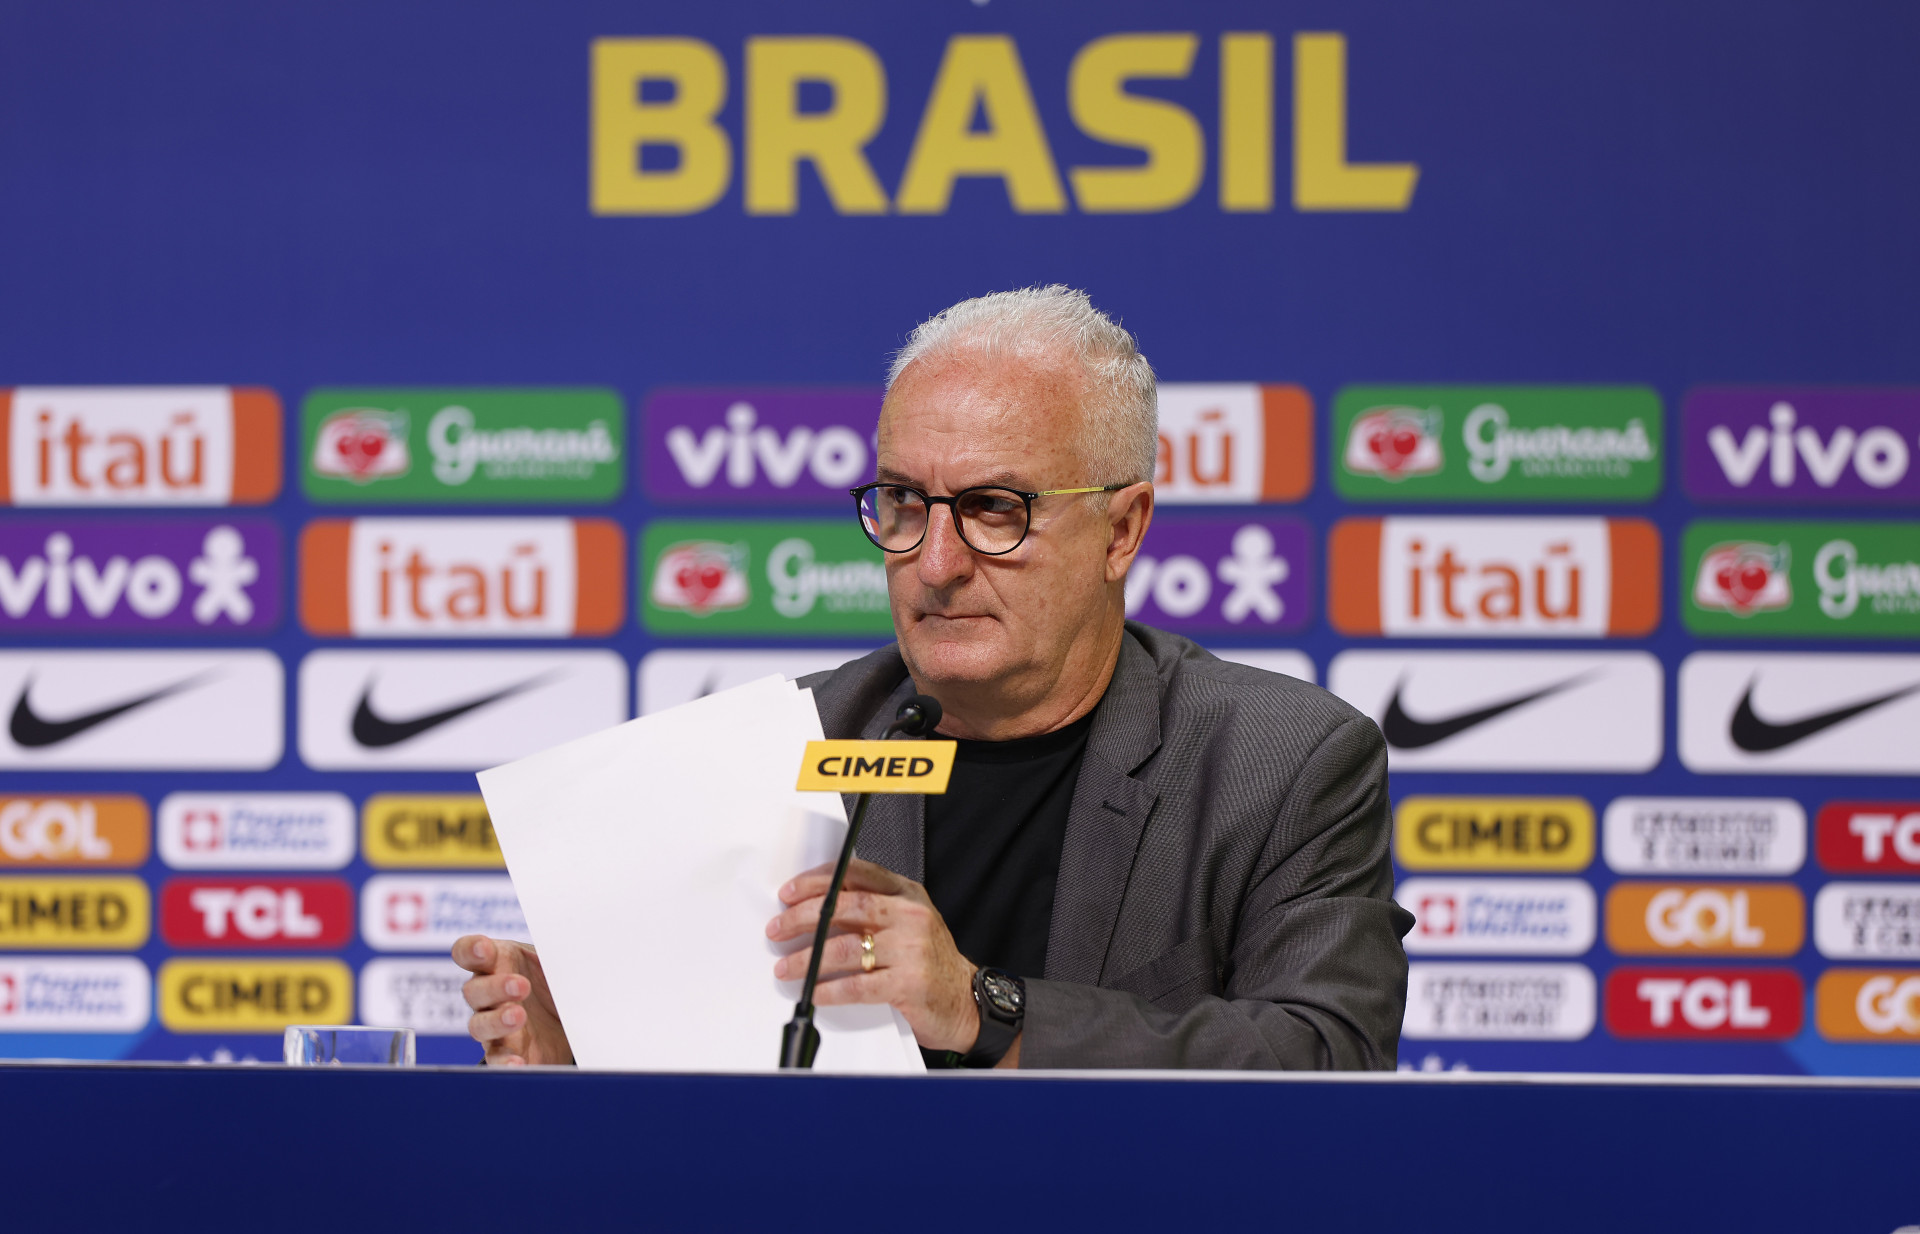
(1755, 1003)
(74, 913)
(1493, 833)
(1864, 1004)
(1747, 919)
(1868, 837)
(214, 996)
(1743, 578)
(254, 912)
(453, 831)
(108, 830)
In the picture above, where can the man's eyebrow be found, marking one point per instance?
(1000, 479)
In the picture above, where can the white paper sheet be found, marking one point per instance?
(647, 858)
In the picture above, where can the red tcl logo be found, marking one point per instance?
(1756, 1003)
(255, 912)
(1868, 837)
(9, 994)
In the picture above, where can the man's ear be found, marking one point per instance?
(1129, 512)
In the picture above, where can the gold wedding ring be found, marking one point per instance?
(866, 953)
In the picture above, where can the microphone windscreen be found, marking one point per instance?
(919, 715)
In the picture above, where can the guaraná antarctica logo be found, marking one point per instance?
(463, 446)
(740, 576)
(1810, 579)
(1497, 443)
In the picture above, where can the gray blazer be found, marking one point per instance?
(1225, 894)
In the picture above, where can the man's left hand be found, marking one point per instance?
(917, 968)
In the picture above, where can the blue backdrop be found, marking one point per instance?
(350, 194)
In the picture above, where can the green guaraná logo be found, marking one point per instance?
(1497, 443)
(761, 576)
(480, 445)
(1818, 580)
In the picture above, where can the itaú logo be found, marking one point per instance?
(665, 96)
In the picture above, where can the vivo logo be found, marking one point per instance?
(729, 446)
(1811, 444)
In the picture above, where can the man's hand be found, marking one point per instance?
(513, 1013)
(917, 967)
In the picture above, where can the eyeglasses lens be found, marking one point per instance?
(991, 520)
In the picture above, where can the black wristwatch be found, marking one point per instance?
(1002, 1000)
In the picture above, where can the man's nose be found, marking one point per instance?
(945, 558)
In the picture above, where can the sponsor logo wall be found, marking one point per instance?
(1652, 760)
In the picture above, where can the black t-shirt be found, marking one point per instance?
(993, 843)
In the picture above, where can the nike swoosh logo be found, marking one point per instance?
(376, 732)
(1757, 736)
(31, 731)
(1403, 732)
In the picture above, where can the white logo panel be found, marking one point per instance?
(1499, 1002)
(1705, 835)
(256, 831)
(452, 710)
(142, 710)
(1508, 710)
(671, 676)
(461, 577)
(429, 912)
(118, 445)
(1840, 714)
(420, 994)
(1495, 577)
(93, 994)
(1867, 921)
(1498, 916)
(1213, 444)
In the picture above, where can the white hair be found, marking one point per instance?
(1120, 437)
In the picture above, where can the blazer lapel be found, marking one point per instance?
(1105, 821)
(894, 834)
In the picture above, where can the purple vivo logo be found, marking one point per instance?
(1215, 574)
(174, 575)
(1802, 443)
(734, 447)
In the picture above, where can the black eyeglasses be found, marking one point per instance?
(991, 520)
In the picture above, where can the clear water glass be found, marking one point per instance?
(344, 1045)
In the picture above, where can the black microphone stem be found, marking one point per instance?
(801, 1040)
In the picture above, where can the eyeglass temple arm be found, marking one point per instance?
(1094, 488)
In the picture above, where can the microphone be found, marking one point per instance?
(800, 1040)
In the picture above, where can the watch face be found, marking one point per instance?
(1004, 994)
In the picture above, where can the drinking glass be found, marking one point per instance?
(339, 1045)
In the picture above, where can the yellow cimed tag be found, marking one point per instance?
(877, 766)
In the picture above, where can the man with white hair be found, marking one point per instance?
(1147, 857)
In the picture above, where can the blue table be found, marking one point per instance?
(515, 1152)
